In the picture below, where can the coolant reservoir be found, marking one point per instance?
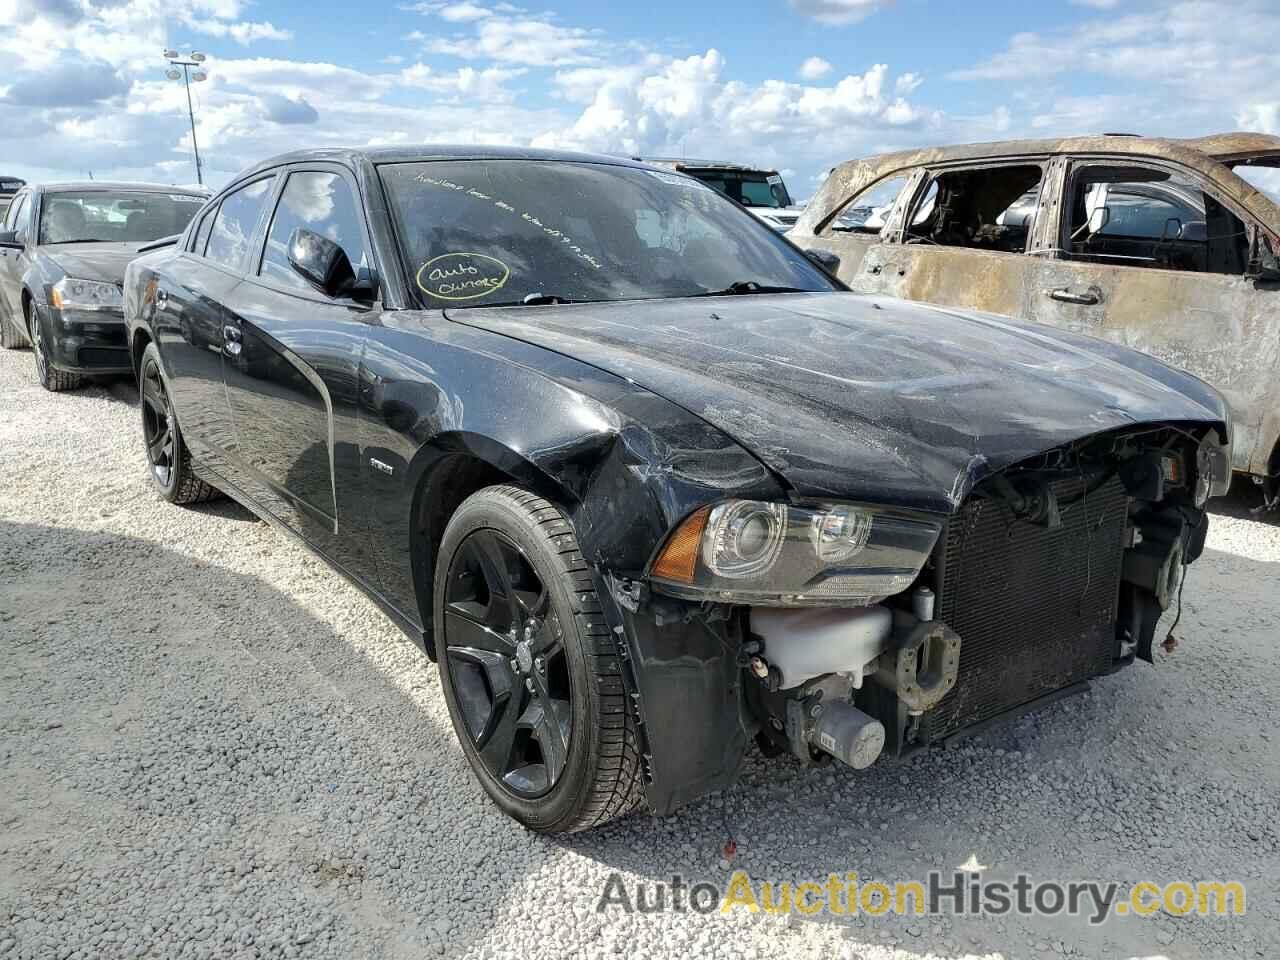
(812, 641)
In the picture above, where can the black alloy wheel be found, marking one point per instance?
(530, 670)
(508, 664)
(168, 461)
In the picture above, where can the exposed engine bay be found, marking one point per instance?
(1050, 573)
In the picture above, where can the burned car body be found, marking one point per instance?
(1162, 245)
(643, 505)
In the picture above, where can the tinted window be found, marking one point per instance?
(202, 233)
(322, 203)
(235, 223)
(867, 210)
(477, 234)
(1152, 217)
(16, 212)
(991, 208)
(115, 217)
(749, 189)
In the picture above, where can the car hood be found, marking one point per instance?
(92, 261)
(863, 397)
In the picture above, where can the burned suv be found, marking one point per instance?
(645, 482)
(1166, 246)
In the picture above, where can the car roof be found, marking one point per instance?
(848, 178)
(88, 186)
(431, 151)
(684, 163)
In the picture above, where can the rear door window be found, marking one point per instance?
(231, 235)
(1140, 216)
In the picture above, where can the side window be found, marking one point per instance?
(233, 227)
(1139, 216)
(866, 212)
(201, 239)
(19, 220)
(991, 208)
(322, 203)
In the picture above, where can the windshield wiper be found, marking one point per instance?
(749, 286)
(84, 240)
(532, 300)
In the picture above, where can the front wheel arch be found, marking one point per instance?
(449, 470)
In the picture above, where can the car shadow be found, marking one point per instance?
(157, 699)
(1244, 502)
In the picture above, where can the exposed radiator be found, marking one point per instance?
(1035, 608)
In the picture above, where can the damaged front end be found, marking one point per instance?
(856, 629)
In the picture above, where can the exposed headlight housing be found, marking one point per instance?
(774, 554)
(71, 294)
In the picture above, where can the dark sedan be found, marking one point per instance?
(646, 482)
(63, 250)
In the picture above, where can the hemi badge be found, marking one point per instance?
(379, 465)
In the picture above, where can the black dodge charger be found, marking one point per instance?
(645, 482)
(63, 250)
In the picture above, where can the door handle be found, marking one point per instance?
(1066, 295)
(231, 340)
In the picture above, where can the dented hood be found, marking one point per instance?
(852, 396)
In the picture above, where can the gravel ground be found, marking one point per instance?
(213, 747)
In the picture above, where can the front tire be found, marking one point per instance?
(168, 461)
(529, 668)
(51, 378)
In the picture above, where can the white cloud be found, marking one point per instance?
(526, 41)
(1097, 4)
(462, 12)
(907, 84)
(814, 68)
(838, 11)
(242, 33)
(487, 86)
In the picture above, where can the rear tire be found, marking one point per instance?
(168, 460)
(520, 637)
(51, 378)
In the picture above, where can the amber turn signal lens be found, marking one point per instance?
(679, 558)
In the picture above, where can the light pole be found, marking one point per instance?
(199, 76)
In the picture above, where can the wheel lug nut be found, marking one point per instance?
(528, 685)
(540, 664)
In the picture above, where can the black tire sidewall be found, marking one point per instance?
(152, 356)
(559, 808)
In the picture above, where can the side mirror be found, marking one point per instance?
(325, 265)
(824, 260)
(1172, 229)
(1265, 265)
(9, 240)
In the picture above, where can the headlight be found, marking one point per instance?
(69, 294)
(773, 554)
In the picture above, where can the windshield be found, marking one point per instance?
(480, 233)
(749, 189)
(115, 217)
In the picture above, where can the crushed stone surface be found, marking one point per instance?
(212, 746)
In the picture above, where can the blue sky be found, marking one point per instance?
(795, 84)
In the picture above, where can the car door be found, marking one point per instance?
(291, 365)
(13, 262)
(967, 237)
(192, 294)
(1152, 255)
